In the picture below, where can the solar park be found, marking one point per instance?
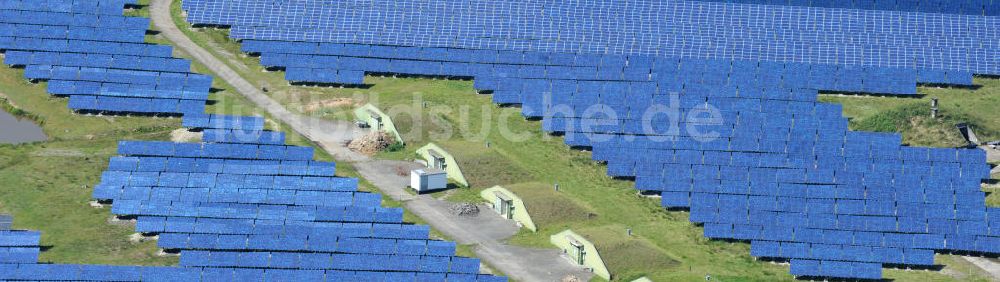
(239, 206)
(785, 175)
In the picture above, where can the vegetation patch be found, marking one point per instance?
(549, 209)
(627, 257)
(483, 167)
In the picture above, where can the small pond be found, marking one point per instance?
(16, 131)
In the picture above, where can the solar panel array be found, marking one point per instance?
(90, 52)
(238, 206)
(964, 7)
(779, 169)
(686, 29)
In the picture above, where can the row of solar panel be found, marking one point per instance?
(99, 7)
(845, 237)
(801, 143)
(663, 128)
(617, 68)
(150, 196)
(135, 105)
(847, 222)
(323, 243)
(226, 122)
(678, 167)
(966, 7)
(18, 255)
(16, 238)
(335, 261)
(950, 239)
(196, 210)
(853, 140)
(228, 181)
(216, 150)
(851, 187)
(84, 46)
(87, 88)
(872, 172)
(116, 180)
(638, 68)
(830, 207)
(946, 204)
(245, 196)
(228, 166)
(880, 175)
(801, 267)
(894, 83)
(901, 256)
(924, 192)
(173, 241)
(276, 231)
(89, 80)
(296, 176)
(243, 136)
(325, 76)
(965, 203)
(170, 189)
(278, 227)
(77, 33)
(895, 163)
(281, 210)
(700, 183)
(69, 272)
(73, 19)
(124, 62)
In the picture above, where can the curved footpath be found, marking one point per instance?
(486, 232)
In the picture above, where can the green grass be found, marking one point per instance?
(483, 166)
(627, 258)
(453, 107)
(550, 209)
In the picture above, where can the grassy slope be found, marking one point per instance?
(546, 160)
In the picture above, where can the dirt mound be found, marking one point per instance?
(371, 143)
(464, 209)
(184, 135)
(571, 278)
(330, 103)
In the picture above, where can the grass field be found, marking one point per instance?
(451, 113)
